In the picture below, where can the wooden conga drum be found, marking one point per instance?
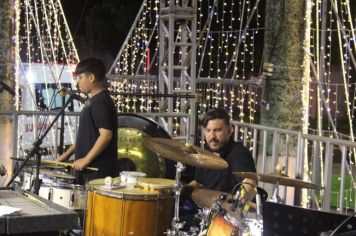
(143, 209)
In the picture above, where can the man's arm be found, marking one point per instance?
(101, 143)
(66, 155)
(250, 187)
(189, 188)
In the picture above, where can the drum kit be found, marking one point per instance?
(114, 206)
(217, 216)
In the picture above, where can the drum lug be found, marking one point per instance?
(50, 194)
(71, 203)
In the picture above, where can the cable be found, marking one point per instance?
(341, 224)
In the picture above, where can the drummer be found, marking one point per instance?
(219, 140)
(96, 143)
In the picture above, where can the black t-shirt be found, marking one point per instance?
(238, 158)
(98, 112)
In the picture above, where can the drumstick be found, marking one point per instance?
(66, 164)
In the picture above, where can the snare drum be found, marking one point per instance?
(223, 226)
(70, 196)
(145, 209)
(46, 176)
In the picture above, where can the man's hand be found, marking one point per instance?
(80, 164)
(66, 155)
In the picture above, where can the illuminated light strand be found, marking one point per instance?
(305, 92)
(40, 23)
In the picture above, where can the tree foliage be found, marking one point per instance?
(108, 22)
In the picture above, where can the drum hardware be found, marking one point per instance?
(183, 154)
(205, 198)
(239, 201)
(258, 206)
(34, 152)
(251, 227)
(176, 224)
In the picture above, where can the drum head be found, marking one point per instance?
(133, 155)
(127, 192)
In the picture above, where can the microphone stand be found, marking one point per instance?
(35, 150)
(61, 133)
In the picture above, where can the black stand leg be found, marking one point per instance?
(35, 150)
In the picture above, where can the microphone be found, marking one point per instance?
(74, 94)
(78, 98)
(66, 91)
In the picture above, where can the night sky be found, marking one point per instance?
(99, 27)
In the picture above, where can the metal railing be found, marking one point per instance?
(316, 159)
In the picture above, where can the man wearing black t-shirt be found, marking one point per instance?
(218, 136)
(96, 142)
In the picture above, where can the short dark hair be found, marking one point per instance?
(217, 113)
(92, 65)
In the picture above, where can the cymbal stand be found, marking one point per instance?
(176, 225)
(275, 197)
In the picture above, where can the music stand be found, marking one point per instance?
(281, 220)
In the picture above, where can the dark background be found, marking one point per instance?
(99, 27)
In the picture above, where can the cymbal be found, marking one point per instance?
(206, 197)
(186, 154)
(277, 178)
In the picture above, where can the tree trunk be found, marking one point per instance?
(283, 47)
(7, 55)
(7, 81)
(282, 94)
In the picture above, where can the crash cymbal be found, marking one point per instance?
(186, 154)
(277, 178)
(206, 197)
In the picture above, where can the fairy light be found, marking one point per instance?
(43, 38)
(17, 54)
(305, 92)
(342, 64)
